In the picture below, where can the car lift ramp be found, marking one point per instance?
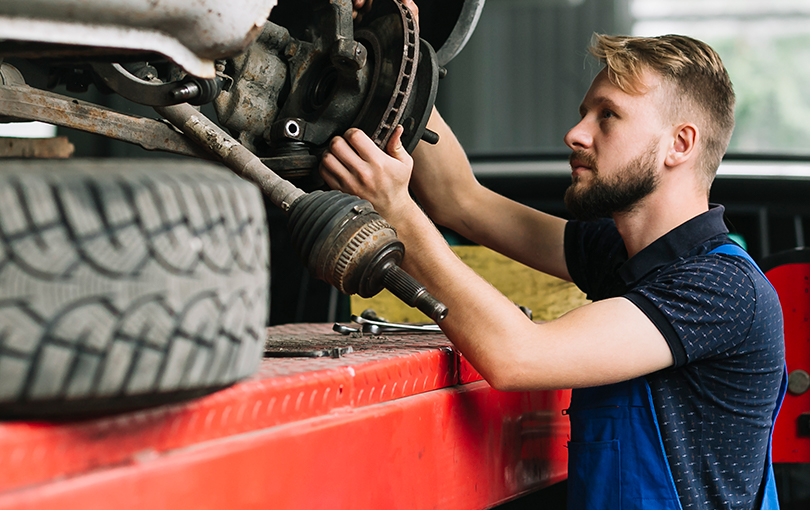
(401, 421)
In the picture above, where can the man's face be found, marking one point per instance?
(603, 196)
(614, 163)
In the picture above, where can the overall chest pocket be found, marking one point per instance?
(599, 423)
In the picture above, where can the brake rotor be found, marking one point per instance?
(373, 74)
(397, 84)
(405, 76)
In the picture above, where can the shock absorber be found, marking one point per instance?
(340, 237)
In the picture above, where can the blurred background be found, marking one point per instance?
(514, 91)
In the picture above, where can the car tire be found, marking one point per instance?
(127, 283)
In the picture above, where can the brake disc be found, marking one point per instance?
(373, 76)
(403, 87)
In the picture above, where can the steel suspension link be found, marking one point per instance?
(233, 154)
(21, 102)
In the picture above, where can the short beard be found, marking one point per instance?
(603, 199)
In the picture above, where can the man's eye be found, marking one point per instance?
(606, 114)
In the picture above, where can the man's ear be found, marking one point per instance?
(683, 145)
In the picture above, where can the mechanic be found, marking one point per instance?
(677, 364)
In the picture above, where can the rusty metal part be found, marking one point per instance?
(296, 166)
(28, 103)
(405, 79)
(250, 103)
(233, 154)
(192, 34)
(346, 54)
(417, 111)
(400, 89)
(314, 70)
(335, 233)
(155, 92)
(46, 148)
(344, 242)
(329, 79)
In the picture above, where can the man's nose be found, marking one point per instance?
(578, 137)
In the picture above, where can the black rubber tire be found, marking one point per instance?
(126, 284)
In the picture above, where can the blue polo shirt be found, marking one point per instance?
(723, 323)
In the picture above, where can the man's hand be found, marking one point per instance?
(354, 164)
(363, 6)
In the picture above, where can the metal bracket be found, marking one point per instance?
(28, 103)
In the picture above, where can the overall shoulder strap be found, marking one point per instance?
(732, 249)
(770, 499)
(735, 249)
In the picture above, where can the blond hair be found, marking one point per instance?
(700, 80)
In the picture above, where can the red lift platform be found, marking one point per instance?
(402, 421)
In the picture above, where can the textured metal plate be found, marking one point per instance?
(358, 431)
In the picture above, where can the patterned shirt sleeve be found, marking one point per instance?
(709, 302)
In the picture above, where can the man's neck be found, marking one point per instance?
(655, 216)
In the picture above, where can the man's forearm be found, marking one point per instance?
(444, 183)
(505, 347)
(472, 302)
(442, 177)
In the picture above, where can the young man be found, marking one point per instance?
(678, 363)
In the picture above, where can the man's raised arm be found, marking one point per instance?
(510, 351)
(446, 188)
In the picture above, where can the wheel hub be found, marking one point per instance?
(373, 76)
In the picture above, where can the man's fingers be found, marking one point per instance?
(348, 148)
(332, 170)
(349, 162)
(410, 4)
(362, 144)
(394, 147)
(330, 179)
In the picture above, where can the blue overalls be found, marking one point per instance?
(616, 457)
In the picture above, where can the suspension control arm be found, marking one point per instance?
(340, 237)
(18, 102)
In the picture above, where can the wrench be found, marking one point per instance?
(376, 327)
(346, 330)
(395, 326)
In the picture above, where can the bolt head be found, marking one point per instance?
(798, 382)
